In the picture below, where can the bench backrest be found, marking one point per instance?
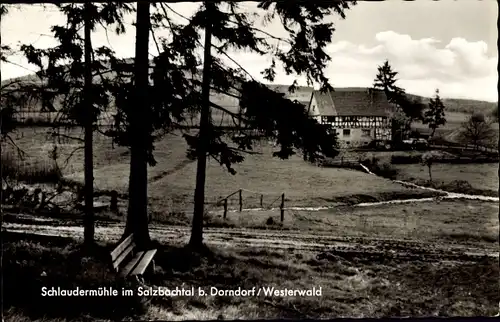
(122, 251)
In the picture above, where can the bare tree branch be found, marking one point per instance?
(66, 136)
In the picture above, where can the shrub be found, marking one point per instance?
(369, 160)
(406, 159)
(463, 186)
(460, 185)
(217, 221)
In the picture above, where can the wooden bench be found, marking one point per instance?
(129, 262)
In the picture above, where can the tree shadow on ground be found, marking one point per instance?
(196, 266)
(33, 262)
(354, 283)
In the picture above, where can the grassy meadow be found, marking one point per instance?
(389, 260)
(416, 271)
(482, 176)
(454, 121)
(172, 180)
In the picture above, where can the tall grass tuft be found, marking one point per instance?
(38, 172)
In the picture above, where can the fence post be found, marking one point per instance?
(241, 200)
(114, 201)
(43, 197)
(225, 208)
(282, 207)
(342, 161)
(262, 201)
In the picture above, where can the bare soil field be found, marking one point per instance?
(441, 264)
(468, 222)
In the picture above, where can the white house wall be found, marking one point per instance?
(356, 137)
(359, 131)
(359, 137)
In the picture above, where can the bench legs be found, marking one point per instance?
(152, 267)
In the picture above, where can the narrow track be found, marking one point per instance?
(371, 248)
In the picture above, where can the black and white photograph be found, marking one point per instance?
(244, 160)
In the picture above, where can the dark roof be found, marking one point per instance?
(325, 103)
(352, 102)
(302, 93)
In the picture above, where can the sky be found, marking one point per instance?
(447, 45)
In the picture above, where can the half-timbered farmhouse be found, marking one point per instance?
(359, 115)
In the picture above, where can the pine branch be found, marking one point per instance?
(66, 161)
(245, 151)
(66, 136)
(221, 51)
(154, 39)
(220, 108)
(20, 152)
(164, 4)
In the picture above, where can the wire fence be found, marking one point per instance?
(34, 117)
(244, 199)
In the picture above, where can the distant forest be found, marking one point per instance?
(303, 93)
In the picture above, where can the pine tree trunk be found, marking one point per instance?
(137, 216)
(498, 116)
(88, 127)
(196, 240)
(499, 196)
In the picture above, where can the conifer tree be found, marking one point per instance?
(263, 112)
(406, 110)
(145, 111)
(386, 81)
(434, 116)
(175, 91)
(66, 74)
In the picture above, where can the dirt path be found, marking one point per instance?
(288, 240)
(178, 167)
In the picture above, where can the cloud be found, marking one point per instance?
(460, 69)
